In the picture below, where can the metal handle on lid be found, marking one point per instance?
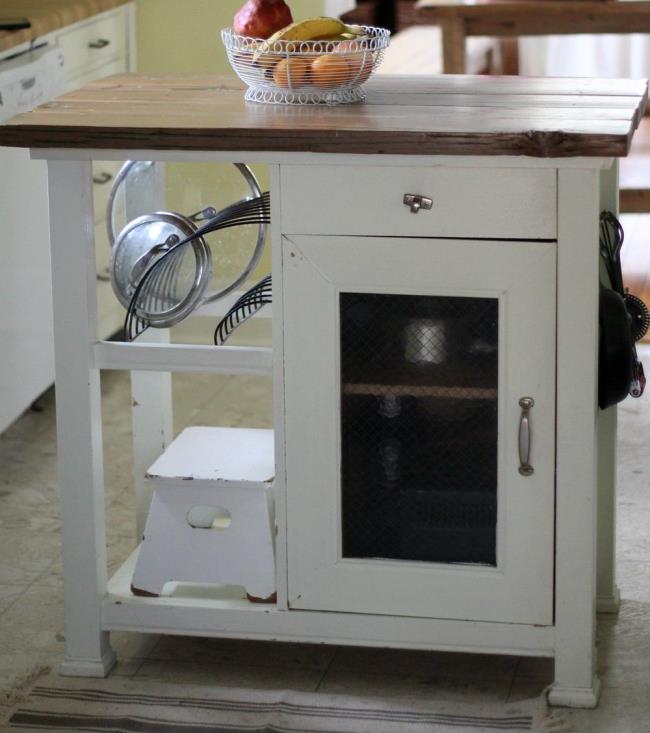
(525, 436)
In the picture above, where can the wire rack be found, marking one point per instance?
(246, 307)
(306, 72)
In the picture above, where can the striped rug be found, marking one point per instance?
(122, 705)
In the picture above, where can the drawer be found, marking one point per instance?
(93, 44)
(102, 250)
(495, 203)
(110, 314)
(104, 173)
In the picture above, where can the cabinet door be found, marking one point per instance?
(405, 364)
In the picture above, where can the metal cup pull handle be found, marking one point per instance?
(525, 436)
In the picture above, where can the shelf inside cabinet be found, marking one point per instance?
(435, 391)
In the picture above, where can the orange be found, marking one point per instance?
(330, 71)
(291, 73)
(360, 62)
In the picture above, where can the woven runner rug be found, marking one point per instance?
(122, 705)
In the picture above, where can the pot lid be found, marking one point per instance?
(167, 300)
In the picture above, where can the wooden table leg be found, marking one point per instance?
(453, 46)
(79, 425)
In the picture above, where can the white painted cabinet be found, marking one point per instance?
(443, 477)
(404, 370)
(93, 48)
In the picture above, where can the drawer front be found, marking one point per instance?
(102, 250)
(104, 173)
(502, 203)
(93, 44)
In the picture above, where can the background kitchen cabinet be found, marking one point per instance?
(97, 47)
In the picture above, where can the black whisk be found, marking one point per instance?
(248, 305)
(611, 243)
(161, 294)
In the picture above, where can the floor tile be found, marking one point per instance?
(527, 688)
(33, 623)
(227, 675)
(432, 664)
(133, 645)
(537, 668)
(24, 555)
(620, 711)
(9, 594)
(243, 653)
(417, 685)
(624, 647)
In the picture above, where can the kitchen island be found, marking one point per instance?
(466, 208)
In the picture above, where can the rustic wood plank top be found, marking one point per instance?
(531, 17)
(438, 115)
(47, 16)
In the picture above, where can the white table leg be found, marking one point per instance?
(79, 426)
(608, 595)
(151, 392)
(576, 684)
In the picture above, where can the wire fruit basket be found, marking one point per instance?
(306, 72)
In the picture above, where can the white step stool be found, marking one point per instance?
(211, 518)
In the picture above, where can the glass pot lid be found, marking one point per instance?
(139, 245)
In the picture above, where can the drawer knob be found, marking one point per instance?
(102, 178)
(416, 202)
(99, 43)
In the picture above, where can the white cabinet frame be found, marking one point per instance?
(95, 606)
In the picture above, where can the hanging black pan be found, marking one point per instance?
(623, 320)
(615, 360)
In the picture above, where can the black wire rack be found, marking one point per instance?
(163, 285)
(244, 308)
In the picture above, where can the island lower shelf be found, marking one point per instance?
(223, 615)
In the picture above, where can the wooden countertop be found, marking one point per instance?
(436, 115)
(48, 15)
(531, 17)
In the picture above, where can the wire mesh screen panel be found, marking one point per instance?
(419, 427)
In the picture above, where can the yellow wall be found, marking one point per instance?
(183, 35)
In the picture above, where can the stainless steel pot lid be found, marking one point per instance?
(141, 243)
(238, 251)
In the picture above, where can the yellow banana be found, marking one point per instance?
(307, 30)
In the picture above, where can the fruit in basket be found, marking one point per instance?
(360, 61)
(262, 18)
(330, 71)
(291, 72)
(306, 30)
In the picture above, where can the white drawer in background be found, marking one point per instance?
(507, 203)
(93, 44)
(104, 173)
(102, 250)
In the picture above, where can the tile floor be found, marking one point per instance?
(31, 614)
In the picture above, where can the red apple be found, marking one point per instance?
(262, 18)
